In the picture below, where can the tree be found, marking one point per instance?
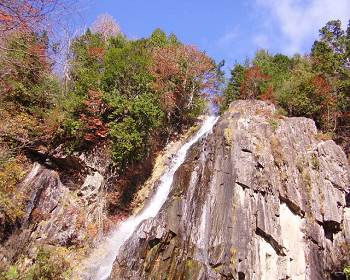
(126, 69)
(183, 76)
(331, 57)
(25, 76)
(132, 125)
(331, 52)
(232, 90)
(333, 35)
(121, 90)
(24, 15)
(276, 66)
(252, 85)
(28, 16)
(158, 38)
(348, 46)
(26, 50)
(106, 26)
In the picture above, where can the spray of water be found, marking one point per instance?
(100, 263)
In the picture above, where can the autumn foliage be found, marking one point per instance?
(251, 87)
(31, 15)
(315, 86)
(96, 52)
(95, 128)
(182, 75)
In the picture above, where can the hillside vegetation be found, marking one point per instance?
(316, 85)
(129, 96)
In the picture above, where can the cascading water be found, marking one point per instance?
(100, 263)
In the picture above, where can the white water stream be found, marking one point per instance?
(100, 263)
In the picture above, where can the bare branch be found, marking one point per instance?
(107, 26)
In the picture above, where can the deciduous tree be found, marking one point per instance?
(183, 75)
(106, 26)
(251, 87)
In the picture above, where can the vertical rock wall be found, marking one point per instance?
(260, 198)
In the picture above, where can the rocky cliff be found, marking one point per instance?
(263, 197)
(64, 212)
(67, 206)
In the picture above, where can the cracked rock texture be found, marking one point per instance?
(59, 210)
(260, 198)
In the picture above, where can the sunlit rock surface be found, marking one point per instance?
(260, 198)
(61, 206)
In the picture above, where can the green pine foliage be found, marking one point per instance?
(232, 91)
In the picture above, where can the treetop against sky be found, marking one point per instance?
(226, 29)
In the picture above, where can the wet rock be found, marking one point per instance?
(252, 201)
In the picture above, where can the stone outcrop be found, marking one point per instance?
(66, 202)
(260, 198)
(65, 205)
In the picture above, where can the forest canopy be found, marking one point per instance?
(127, 93)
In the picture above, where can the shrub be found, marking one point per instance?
(277, 152)
(273, 123)
(11, 273)
(280, 113)
(49, 264)
(11, 200)
(127, 141)
(315, 162)
(324, 136)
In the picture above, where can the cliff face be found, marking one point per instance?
(66, 204)
(261, 198)
(64, 208)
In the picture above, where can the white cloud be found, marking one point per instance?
(299, 20)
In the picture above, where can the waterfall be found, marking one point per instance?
(100, 263)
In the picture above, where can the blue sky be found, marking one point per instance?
(226, 29)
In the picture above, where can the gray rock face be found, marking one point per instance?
(260, 198)
(58, 214)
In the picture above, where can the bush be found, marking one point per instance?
(49, 264)
(347, 272)
(11, 273)
(127, 141)
(11, 200)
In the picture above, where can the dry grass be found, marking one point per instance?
(324, 136)
(277, 152)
